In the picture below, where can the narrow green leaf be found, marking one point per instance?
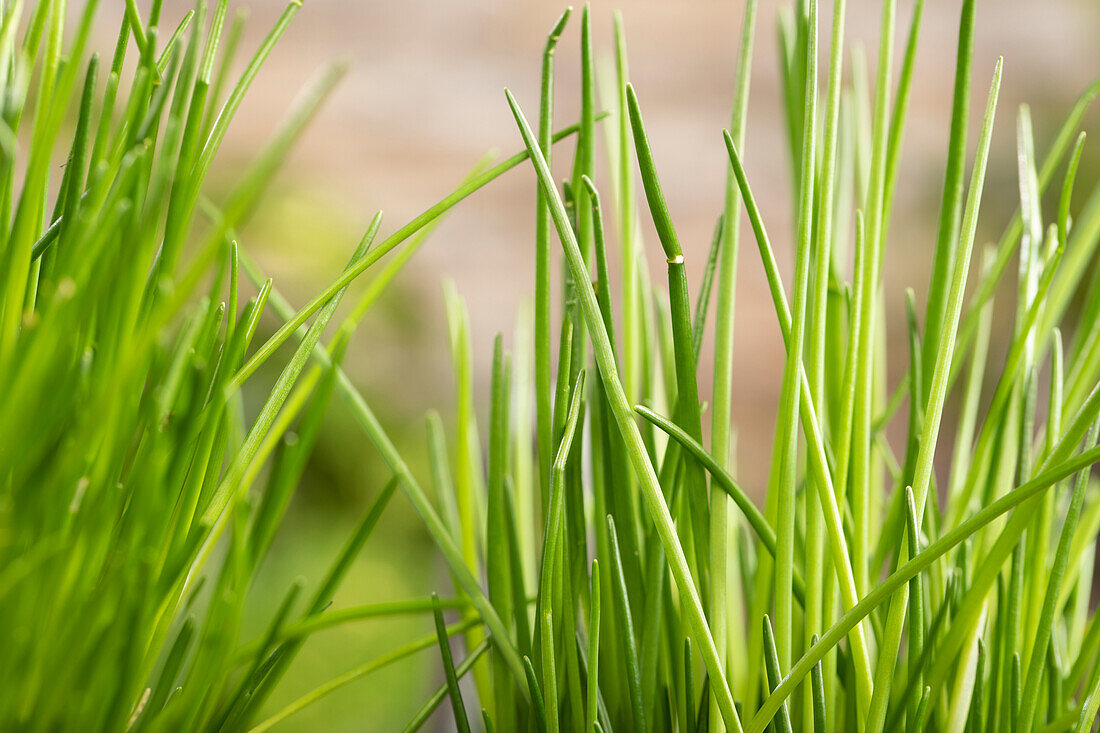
(433, 702)
(593, 692)
(462, 723)
(538, 708)
(782, 721)
(626, 626)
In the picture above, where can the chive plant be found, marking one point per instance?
(140, 497)
(610, 571)
(870, 593)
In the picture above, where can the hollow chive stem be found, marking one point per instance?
(639, 458)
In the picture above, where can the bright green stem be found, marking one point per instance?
(1055, 576)
(933, 409)
(900, 577)
(639, 458)
(943, 261)
(793, 369)
(862, 479)
(543, 369)
(819, 463)
(722, 396)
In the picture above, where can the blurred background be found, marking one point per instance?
(423, 100)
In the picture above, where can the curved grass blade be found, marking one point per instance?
(285, 654)
(538, 708)
(1055, 575)
(552, 536)
(757, 521)
(330, 619)
(687, 384)
(1058, 148)
(1067, 190)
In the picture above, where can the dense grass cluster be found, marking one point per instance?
(611, 572)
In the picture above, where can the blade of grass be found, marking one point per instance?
(933, 410)
(537, 704)
(593, 691)
(782, 721)
(951, 204)
(859, 489)
(497, 561)
(819, 463)
(542, 267)
(722, 395)
(916, 606)
(817, 685)
(1087, 720)
(793, 369)
(817, 335)
(1067, 189)
(687, 385)
(640, 462)
(626, 625)
(549, 673)
(462, 723)
(433, 702)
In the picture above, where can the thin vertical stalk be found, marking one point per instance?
(639, 458)
(543, 368)
(943, 259)
(818, 461)
(933, 410)
(790, 394)
(721, 411)
(862, 479)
